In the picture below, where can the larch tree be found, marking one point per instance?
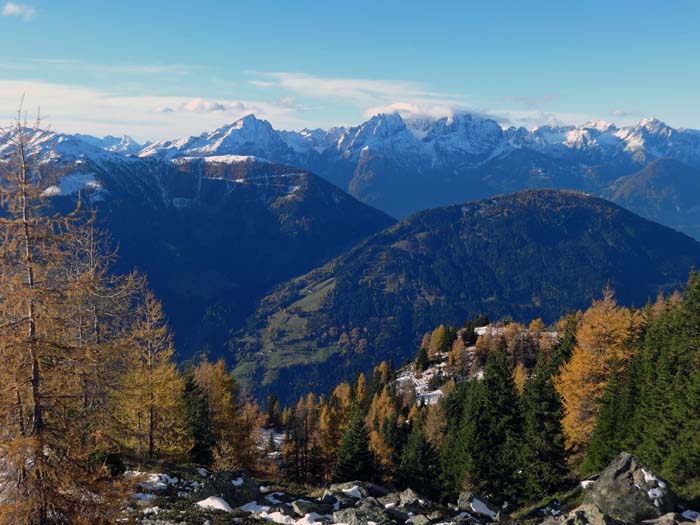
(55, 370)
(150, 404)
(603, 340)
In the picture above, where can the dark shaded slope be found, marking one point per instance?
(529, 254)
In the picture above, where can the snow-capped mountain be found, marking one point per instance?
(403, 165)
(247, 136)
(124, 144)
(462, 137)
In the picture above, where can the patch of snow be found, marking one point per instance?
(203, 472)
(73, 183)
(480, 507)
(254, 507)
(237, 482)
(353, 492)
(587, 483)
(691, 515)
(215, 503)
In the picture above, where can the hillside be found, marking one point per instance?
(666, 191)
(213, 235)
(526, 255)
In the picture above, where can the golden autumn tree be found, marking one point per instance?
(381, 412)
(334, 416)
(603, 338)
(55, 372)
(235, 426)
(520, 377)
(150, 404)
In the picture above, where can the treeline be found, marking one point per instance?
(87, 377)
(526, 410)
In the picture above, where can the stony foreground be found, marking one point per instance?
(626, 493)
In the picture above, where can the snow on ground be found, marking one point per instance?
(691, 515)
(214, 503)
(263, 512)
(353, 492)
(480, 507)
(420, 383)
(73, 183)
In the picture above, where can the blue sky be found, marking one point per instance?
(163, 69)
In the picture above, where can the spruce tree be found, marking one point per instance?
(543, 443)
(354, 459)
(488, 439)
(198, 424)
(422, 359)
(419, 467)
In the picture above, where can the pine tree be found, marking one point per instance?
(355, 461)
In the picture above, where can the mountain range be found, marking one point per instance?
(405, 165)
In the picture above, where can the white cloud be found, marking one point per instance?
(20, 10)
(81, 109)
(360, 90)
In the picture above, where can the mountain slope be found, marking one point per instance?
(529, 254)
(666, 191)
(213, 235)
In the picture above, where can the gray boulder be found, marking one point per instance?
(418, 520)
(234, 486)
(392, 499)
(357, 516)
(399, 514)
(670, 519)
(303, 507)
(409, 498)
(473, 503)
(629, 492)
(355, 489)
(586, 514)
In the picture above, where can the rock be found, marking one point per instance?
(376, 491)
(470, 502)
(397, 513)
(369, 503)
(303, 507)
(418, 520)
(586, 514)
(436, 515)
(353, 489)
(670, 519)
(357, 516)
(235, 487)
(629, 492)
(390, 499)
(339, 500)
(408, 497)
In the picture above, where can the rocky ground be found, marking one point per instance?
(626, 493)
